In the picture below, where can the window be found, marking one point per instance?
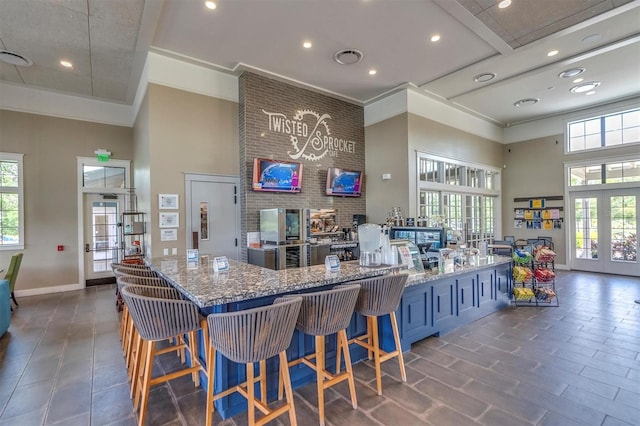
(605, 131)
(605, 173)
(461, 196)
(103, 177)
(11, 202)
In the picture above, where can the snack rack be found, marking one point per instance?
(534, 276)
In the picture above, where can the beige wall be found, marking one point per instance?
(536, 168)
(141, 171)
(386, 152)
(187, 133)
(50, 146)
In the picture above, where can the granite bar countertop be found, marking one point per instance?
(478, 263)
(206, 288)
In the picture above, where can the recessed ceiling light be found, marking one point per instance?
(66, 64)
(504, 3)
(486, 76)
(578, 80)
(372, 72)
(210, 4)
(572, 72)
(14, 58)
(552, 53)
(593, 92)
(435, 37)
(307, 45)
(526, 102)
(591, 38)
(348, 56)
(585, 87)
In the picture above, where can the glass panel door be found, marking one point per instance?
(101, 241)
(604, 231)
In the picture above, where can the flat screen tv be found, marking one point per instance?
(344, 183)
(276, 176)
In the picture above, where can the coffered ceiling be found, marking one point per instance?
(106, 41)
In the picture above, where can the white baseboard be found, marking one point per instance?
(562, 267)
(48, 290)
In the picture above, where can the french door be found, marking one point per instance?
(604, 231)
(101, 235)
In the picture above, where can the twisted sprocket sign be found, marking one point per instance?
(309, 134)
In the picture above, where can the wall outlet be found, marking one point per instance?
(165, 252)
(174, 251)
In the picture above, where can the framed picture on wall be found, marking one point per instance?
(169, 220)
(168, 201)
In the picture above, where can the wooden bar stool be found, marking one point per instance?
(249, 336)
(127, 330)
(324, 313)
(380, 296)
(158, 318)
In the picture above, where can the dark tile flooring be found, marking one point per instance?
(577, 364)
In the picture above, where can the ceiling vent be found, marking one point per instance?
(15, 59)
(347, 56)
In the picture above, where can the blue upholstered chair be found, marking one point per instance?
(5, 306)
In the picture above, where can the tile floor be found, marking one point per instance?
(578, 364)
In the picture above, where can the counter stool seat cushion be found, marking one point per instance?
(249, 336)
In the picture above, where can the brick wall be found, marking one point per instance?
(345, 122)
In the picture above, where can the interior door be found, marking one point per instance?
(604, 231)
(101, 236)
(215, 216)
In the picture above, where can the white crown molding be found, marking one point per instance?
(385, 108)
(414, 101)
(176, 73)
(36, 101)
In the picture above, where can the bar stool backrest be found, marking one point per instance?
(115, 265)
(159, 318)
(380, 295)
(140, 272)
(125, 280)
(254, 334)
(327, 312)
(158, 292)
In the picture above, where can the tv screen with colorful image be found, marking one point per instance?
(345, 183)
(276, 176)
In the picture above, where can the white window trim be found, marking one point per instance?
(496, 194)
(596, 162)
(19, 158)
(594, 115)
(89, 161)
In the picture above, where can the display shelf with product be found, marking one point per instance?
(132, 231)
(534, 276)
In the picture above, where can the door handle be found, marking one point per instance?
(86, 248)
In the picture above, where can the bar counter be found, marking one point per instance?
(432, 303)
(207, 288)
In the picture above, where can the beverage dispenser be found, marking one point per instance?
(369, 238)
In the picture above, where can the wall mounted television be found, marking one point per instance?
(276, 176)
(344, 183)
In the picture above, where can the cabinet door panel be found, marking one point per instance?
(486, 288)
(466, 293)
(443, 305)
